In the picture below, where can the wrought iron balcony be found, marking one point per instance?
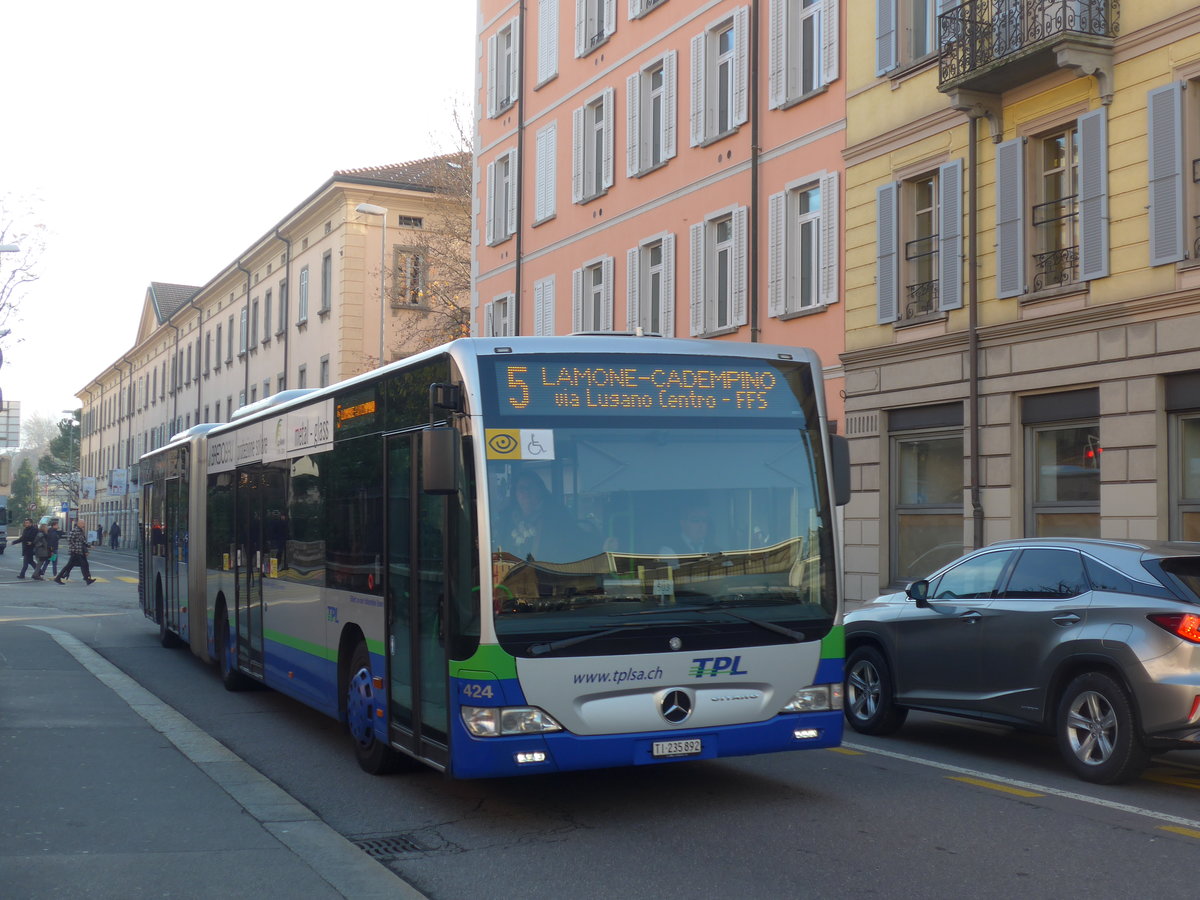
(994, 45)
(921, 295)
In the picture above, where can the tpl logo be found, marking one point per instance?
(713, 666)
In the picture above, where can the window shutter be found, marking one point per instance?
(699, 70)
(777, 50)
(1093, 194)
(633, 115)
(1167, 224)
(547, 146)
(830, 246)
(513, 188)
(739, 266)
(607, 275)
(632, 288)
(885, 36)
(610, 108)
(670, 93)
(580, 28)
(668, 286)
(488, 320)
(887, 256)
(489, 219)
(577, 155)
(547, 39)
(577, 300)
(950, 235)
(491, 76)
(1010, 218)
(696, 234)
(776, 255)
(539, 290)
(514, 26)
(830, 36)
(635, 8)
(610, 17)
(549, 294)
(741, 63)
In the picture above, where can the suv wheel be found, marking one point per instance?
(1097, 731)
(868, 692)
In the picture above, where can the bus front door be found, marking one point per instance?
(414, 589)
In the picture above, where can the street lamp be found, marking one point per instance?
(371, 209)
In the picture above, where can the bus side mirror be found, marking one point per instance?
(440, 449)
(840, 450)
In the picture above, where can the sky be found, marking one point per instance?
(156, 141)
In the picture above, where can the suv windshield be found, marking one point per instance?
(620, 534)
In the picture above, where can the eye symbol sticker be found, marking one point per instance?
(502, 443)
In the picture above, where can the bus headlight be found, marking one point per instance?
(818, 698)
(493, 721)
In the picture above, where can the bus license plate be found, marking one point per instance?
(676, 748)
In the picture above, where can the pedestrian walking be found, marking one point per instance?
(28, 535)
(77, 546)
(52, 538)
(114, 535)
(41, 552)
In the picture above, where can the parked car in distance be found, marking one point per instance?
(1094, 641)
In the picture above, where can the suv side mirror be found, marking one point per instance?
(919, 591)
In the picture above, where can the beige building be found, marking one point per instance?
(1022, 291)
(306, 305)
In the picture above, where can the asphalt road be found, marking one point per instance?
(947, 808)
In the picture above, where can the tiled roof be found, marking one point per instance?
(169, 298)
(428, 173)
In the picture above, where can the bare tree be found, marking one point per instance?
(18, 268)
(443, 249)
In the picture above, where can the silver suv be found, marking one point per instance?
(1096, 641)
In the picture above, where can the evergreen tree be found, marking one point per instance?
(23, 500)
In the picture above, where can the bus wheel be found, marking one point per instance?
(230, 676)
(166, 637)
(373, 755)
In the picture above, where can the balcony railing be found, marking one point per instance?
(921, 297)
(1055, 225)
(979, 34)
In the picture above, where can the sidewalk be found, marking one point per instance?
(105, 791)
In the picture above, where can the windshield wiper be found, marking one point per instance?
(563, 643)
(723, 606)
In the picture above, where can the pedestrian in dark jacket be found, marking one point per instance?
(77, 546)
(28, 535)
(114, 535)
(41, 553)
(52, 538)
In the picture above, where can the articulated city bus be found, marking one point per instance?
(521, 555)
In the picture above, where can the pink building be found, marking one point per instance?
(669, 165)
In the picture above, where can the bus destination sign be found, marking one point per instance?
(680, 386)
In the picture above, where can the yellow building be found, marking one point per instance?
(1022, 277)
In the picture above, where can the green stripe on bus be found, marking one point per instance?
(833, 645)
(317, 650)
(488, 658)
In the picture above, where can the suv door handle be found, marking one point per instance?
(971, 616)
(1066, 619)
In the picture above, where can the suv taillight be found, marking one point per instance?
(1183, 625)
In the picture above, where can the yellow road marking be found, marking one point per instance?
(1176, 780)
(126, 579)
(846, 751)
(995, 786)
(1186, 832)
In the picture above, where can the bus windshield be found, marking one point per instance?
(618, 535)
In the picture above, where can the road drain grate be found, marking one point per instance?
(385, 848)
